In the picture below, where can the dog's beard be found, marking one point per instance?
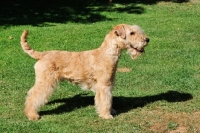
(134, 53)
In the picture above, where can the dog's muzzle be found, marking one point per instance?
(137, 49)
(141, 50)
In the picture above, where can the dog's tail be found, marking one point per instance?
(27, 49)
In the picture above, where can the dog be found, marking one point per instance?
(92, 70)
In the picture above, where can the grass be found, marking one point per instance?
(160, 94)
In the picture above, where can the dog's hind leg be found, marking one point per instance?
(39, 94)
(103, 101)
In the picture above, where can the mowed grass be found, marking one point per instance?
(159, 94)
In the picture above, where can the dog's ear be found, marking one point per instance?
(120, 31)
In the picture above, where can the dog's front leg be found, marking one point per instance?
(103, 101)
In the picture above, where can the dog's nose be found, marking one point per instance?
(147, 40)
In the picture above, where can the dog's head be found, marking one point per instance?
(132, 38)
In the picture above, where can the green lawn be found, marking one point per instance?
(161, 93)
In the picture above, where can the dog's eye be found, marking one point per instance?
(132, 33)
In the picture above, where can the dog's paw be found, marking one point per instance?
(33, 117)
(106, 116)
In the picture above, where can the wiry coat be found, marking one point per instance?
(92, 70)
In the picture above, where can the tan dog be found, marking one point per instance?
(92, 70)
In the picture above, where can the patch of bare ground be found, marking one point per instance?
(165, 122)
(195, 1)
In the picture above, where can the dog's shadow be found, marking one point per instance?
(120, 104)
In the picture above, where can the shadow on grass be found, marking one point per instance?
(38, 12)
(120, 104)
